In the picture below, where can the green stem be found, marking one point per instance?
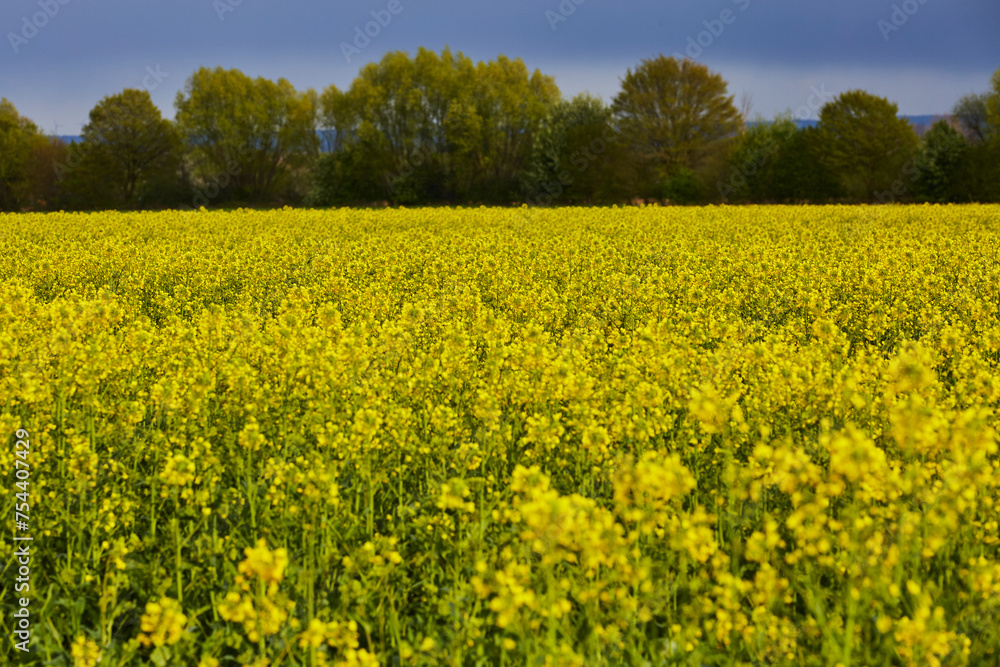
(175, 525)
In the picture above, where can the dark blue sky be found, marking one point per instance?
(58, 58)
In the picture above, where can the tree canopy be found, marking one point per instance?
(865, 143)
(431, 128)
(674, 112)
(438, 128)
(130, 146)
(19, 139)
(246, 134)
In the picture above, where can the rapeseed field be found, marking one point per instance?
(620, 436)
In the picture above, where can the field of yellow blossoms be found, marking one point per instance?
(621, 436)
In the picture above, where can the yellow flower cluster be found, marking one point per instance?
(262, 609)
(85, 652)
(264, 563)
(162, 624)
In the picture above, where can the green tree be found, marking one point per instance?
(578, 156)
(865, 144)
(979, 116)
(993, 107)
(941, 163)
(45, 190)
(386, 134)
(971, 112)
(430, 128)
(800, 175)
(129, 146)
(247, 137)
(675, 113)
(752, 165)
(336, 118)
(983, 174)
(19, 139)
(495, 139)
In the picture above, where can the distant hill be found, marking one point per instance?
(919, 123)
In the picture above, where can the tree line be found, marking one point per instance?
(437, 128)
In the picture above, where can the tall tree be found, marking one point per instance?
(979, 117)
(865, 144)
(941, 163)
(509, 107)
(675, 112)
(129, 146)
(800, 175)
(971, 112)
(578, 156)
(45, 190)
(387, 131)
(431, 128)
(249, 135)
(19, 138)
(752, 165)
(993, 107)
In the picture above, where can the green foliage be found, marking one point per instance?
(683, 187)
(19, 139)
(246, 136)
(971, 112)
(45, 191)
(509, 107)
(753, 163)
(129, 149)
(431, 128)
(578, 156)
(941, 162)
(438, 128)
(800, 174)
(865, 144)
(982, 178)
(674, 113)
(993, 107)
